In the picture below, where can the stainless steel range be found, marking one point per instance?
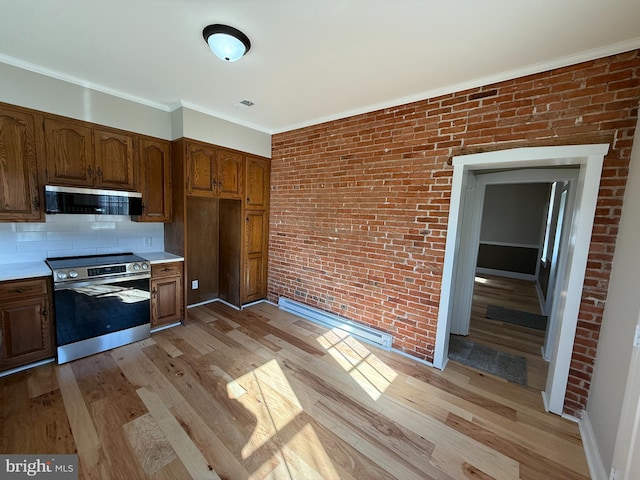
(101, 302)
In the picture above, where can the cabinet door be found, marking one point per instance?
(166, 301)
(69, 153)
(201, 170)
(19, 196)
(113, 160)
(27, 335)
(230, 171)
(154, 181)
(255, 255)
(257, 183)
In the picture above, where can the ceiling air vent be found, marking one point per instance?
(244, 104)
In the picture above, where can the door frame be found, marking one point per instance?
(470, 238)
(589, 159)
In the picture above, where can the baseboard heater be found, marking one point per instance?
(326, 319)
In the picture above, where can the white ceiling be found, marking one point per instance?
(310, 60)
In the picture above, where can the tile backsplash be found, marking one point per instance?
(65, 235)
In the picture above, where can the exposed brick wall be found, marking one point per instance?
(359, 206)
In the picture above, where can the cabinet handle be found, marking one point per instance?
(154, 292)
(220, 184)
(45, 312)
(248, 199)
(89, 171)
(36, 203)
(99, 172)
(144, 207)
(166, 269)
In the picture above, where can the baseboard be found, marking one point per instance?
(26, 367)
(591, 450)
(416, 359)
(541, 299)
(505, 273)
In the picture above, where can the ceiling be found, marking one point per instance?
(310, 60)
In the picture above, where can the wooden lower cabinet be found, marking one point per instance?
(25, 322)
(167, 294)
(255, 255)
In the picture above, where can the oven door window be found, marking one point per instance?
(91, 309)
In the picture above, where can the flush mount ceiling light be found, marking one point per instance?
(226, 42)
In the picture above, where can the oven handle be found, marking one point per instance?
(99, 281)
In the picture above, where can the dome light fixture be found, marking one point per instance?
(228, 43)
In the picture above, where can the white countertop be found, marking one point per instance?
(160, 257)
(17, 271)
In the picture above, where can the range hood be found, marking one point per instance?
(73, 200)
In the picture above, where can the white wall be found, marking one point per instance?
(619, 321)
(200, 126)
(513, 213)
(67, 235)
(33, 90)
(40, 92)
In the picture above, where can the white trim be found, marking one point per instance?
(221, 116)
(202, 303)
(48, 72)
(164, 327)
(506, 273)
(412, 357)
(486, 81)
(589, 159)
(591, 450)
(510, 244)
(26, 367)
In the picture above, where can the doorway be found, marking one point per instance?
(456, 292)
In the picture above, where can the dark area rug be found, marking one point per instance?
(524, 319)
(510, 367)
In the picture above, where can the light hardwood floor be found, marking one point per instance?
(264, 394)
(517, 340)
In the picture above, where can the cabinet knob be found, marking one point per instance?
(45, 312)
(99, 172)
(248, 199)
(36, 203)
(154, 292)
(89, 171)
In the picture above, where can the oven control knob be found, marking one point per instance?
(136, 266)
(62, 275)
(145, 266)
(73, 274)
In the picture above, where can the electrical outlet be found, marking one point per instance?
(636, 338)
(146, 241)
(194, 284)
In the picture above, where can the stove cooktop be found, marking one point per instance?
(93, 260)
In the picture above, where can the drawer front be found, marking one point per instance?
(166, 269)
(17, 289)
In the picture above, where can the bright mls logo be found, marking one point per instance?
(51, 467)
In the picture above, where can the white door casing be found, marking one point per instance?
(589, 160)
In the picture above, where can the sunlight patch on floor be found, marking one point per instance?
(369, 372)
(297, 451)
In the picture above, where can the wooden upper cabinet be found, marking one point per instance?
(154, 180)
(201, 170)
(257, 183)
(19, 193)
(69, 153)
(113, 160)
(79, 155)
(230, 174)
